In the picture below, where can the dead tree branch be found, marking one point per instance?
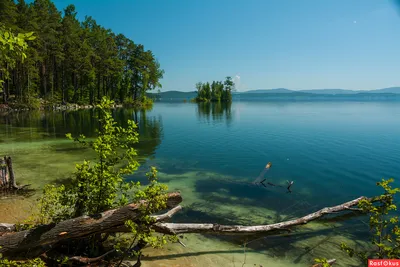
(179, 228)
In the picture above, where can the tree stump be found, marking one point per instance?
(7, 177)
(4, 174)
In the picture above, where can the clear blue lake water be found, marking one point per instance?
(333, 151)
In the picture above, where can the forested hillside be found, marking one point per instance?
(72, 61)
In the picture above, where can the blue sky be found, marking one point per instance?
(307, 44)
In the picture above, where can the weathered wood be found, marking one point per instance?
(179, 228)
(87, 260)
(7, 177)
(10, 227)
(11, 182)
(40, 238)
(4, 177)
(7, 227)
(44, 237)
(122, 228)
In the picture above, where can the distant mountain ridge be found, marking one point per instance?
(392, 90)
(176, 94)
(283, 92)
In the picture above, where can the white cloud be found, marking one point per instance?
(237, 82)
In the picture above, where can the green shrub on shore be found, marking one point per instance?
(144, 103)
(99, 185)
(29, 101)
(383, 224)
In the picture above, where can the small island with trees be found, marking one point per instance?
(215, 92)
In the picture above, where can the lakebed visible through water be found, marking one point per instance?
(333, 151)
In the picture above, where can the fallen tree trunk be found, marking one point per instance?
(179, 228)
(41, 238)
(10, 227)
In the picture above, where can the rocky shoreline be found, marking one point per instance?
(57, 107)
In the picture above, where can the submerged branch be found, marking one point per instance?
(179, 228)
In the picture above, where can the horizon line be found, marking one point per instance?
(247, 90)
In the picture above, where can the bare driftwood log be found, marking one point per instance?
(179, 228)
(43, 237)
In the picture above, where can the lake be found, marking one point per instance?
(333, 151)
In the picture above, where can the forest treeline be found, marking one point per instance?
(72, 61)
(216, 91)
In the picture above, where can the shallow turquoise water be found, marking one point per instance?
(333, 151)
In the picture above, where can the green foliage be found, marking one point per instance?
(56, 206)
(229, 87)
(52, 99)
(215, 92)
(322, 262)
(28, 101)
(70, 61)
(147, 103)
(96, 185)
(100, 185)
(155, 194)
(28, 263)
(144, 103)
(14, 46)
(384, 225)
(12, 50)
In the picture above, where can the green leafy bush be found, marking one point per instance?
(99, 185)
(384, 225)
